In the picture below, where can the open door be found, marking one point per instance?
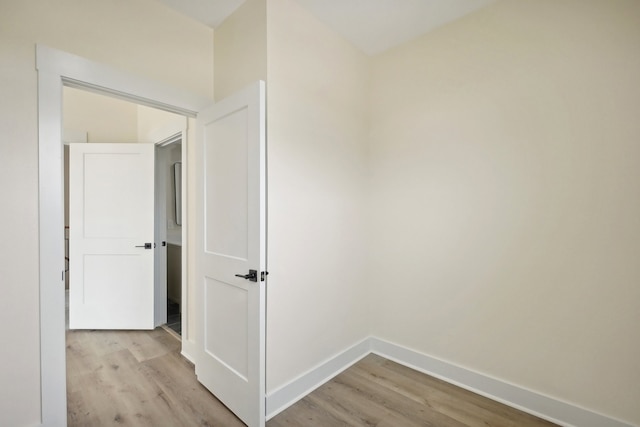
(111, 236)
(231, 258)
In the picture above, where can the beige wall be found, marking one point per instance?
(154, 125)
(107, 119)
(240, 49)
(502, 183)
(103, 118)
(137, 36)
(316, 103)
(505, 175)
(316, 121)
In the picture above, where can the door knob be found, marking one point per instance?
(146, 246)
(252, 276)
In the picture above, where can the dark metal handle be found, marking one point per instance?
(146, 246)
(253, 275)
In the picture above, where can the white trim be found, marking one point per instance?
(55, 69)
(51, 222)
(172, 139)
(160, 234)
(285, 396)
(82, 73)
(74, 136)
(188, 343)
(187, 351)
(540, 405)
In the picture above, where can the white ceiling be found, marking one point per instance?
(377, 25)
(372, 25)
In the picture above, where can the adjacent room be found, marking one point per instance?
(91, 118)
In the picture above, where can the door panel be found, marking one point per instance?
(231, 213)
(227, 335)
(111, 211)
(226, 148)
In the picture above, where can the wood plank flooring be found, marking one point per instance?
(138, 378)
(379, 392)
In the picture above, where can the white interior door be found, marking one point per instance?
(111, 219)
(231, 228)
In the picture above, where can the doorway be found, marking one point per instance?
(233, 127)
(169, 233)
(98, 119)
(55, 69)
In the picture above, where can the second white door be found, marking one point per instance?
(111, 236)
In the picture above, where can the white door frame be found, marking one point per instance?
(160, 277)
(56, 69)
(160, 235)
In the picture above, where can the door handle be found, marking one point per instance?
(252, 276)
(146, 246)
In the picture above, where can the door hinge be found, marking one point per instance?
(263, 275)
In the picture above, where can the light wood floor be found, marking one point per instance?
(135, 378)
(379, 392)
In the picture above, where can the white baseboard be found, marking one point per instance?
(545, 407)
(188, 350)
(282, 398)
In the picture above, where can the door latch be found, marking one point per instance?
(146, 246)
(252, 276)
